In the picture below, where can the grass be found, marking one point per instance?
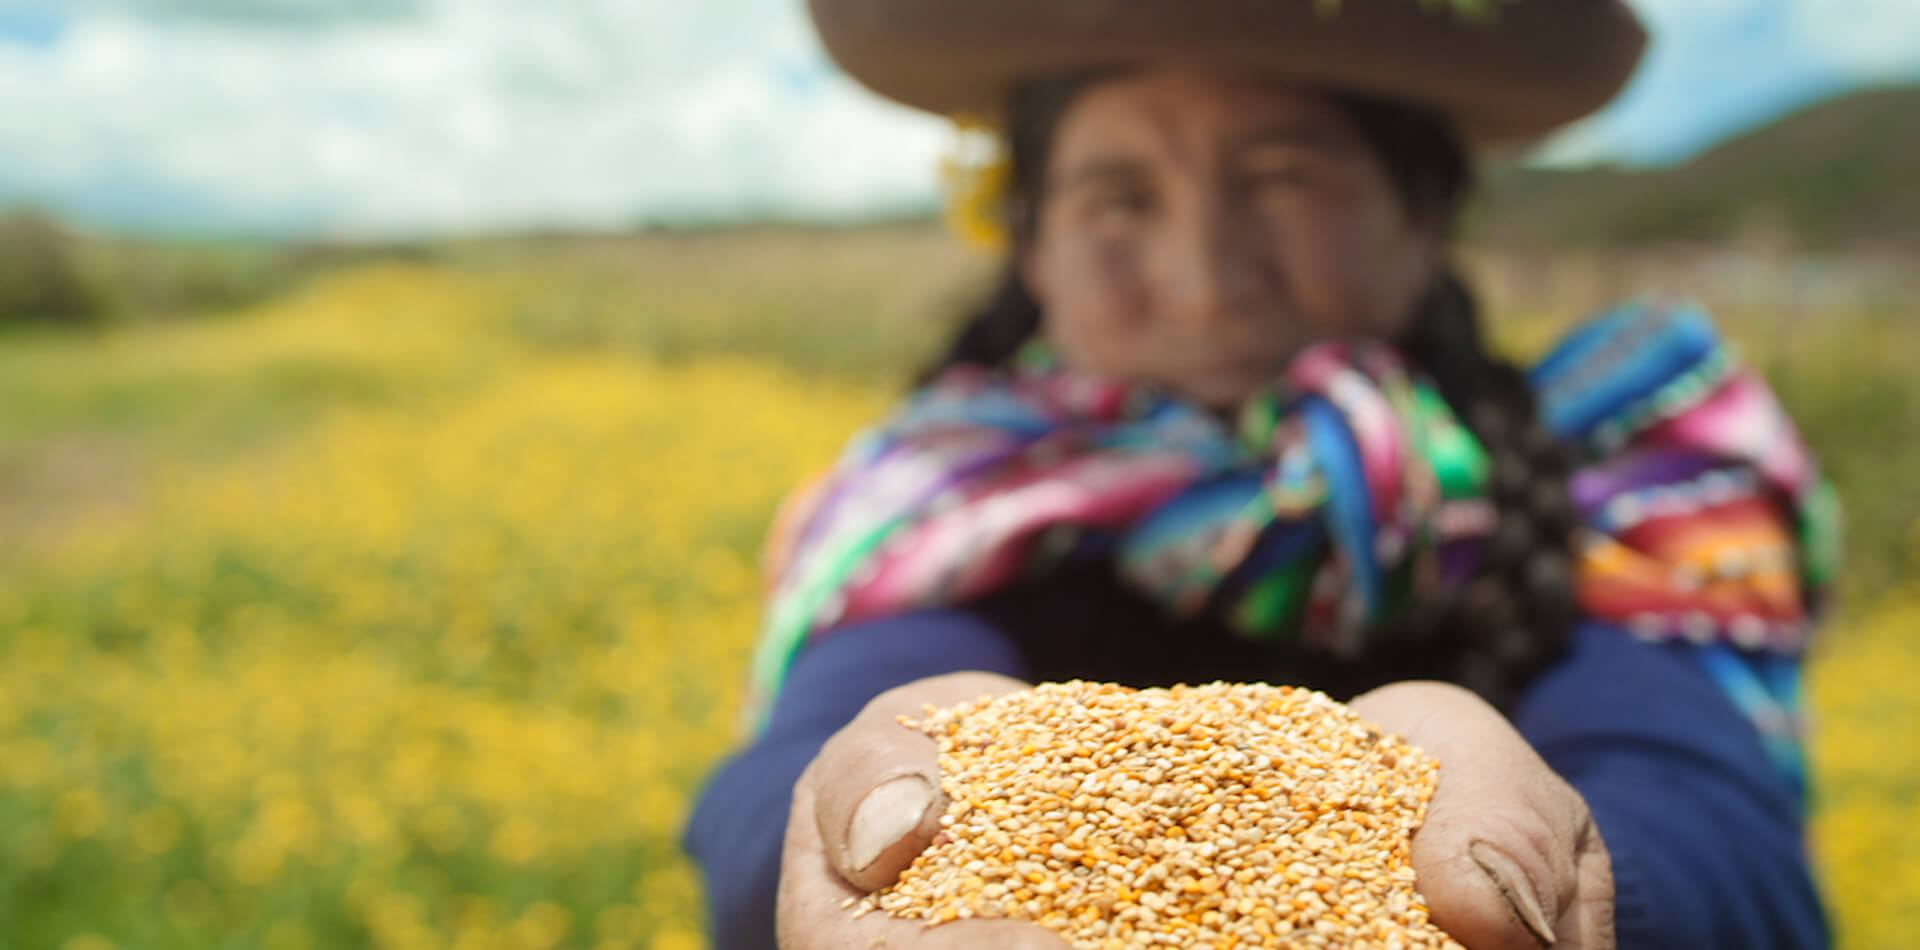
(407, 608)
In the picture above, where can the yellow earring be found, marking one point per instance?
(974, 175)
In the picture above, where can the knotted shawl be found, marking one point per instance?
(1347, 495)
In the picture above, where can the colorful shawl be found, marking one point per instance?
(1349, 494)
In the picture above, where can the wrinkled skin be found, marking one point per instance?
(1196, 231)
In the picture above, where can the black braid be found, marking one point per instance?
(995, 332)
(1516, 616)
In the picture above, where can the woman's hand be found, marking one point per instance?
(866, 807)
(1509, 858)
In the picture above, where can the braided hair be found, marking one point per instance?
(1517, 614)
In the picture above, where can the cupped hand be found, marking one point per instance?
(864, 809)
(1509, 858)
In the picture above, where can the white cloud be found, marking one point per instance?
(1583, 143)
(1716, 67)
(394, 116)
(1871, 39)
(467, 114)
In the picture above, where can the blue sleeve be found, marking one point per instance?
(740, 819)
(1705, 832)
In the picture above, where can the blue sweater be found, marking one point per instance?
(1705, 835)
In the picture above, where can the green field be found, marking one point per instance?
(405, 607)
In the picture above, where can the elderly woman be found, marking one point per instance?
(1230, 415)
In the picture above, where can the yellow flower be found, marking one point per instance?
(542, 926)
(80, 812)
(156, 830)
(673, 939)
(976, 173)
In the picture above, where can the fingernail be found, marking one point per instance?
(885, 816)
(1516, 887)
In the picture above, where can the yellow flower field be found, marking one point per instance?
(361, 620)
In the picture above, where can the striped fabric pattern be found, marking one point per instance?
(1347, 496)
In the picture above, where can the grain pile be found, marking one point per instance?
(1215, 816)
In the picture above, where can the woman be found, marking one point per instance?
(1230, 416)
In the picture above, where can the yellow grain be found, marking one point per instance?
(1177, 817)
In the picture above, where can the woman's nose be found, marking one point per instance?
(1214, 274)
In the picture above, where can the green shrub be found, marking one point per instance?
(42, 278)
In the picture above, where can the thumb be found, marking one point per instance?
(1499, 857)
(876, 783)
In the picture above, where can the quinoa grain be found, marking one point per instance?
(1212, 817)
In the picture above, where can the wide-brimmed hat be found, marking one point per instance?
(1510, 74)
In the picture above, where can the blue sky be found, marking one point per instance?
(358, 118)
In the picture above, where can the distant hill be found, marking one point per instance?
(1843, 173)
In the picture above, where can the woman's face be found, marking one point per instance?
(1197, 230)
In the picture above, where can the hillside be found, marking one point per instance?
(1834, 175)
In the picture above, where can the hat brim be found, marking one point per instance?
(1525, 70)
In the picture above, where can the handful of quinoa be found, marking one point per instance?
(1220, 816)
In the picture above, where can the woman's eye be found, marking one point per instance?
(1280, 168)
(1288, 174)
(1124, 200)
(1118, 205)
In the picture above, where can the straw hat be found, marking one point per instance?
(1507, 76)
